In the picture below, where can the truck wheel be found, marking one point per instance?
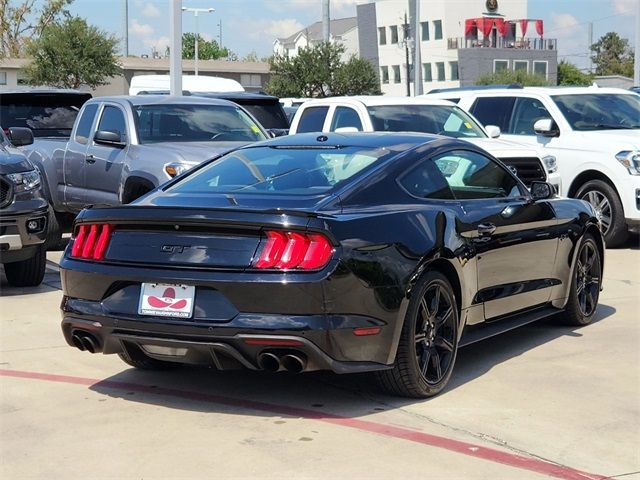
(54, 231)
(29, 272)
(608, 207)
(134, 192)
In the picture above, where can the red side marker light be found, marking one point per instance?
(364, 331)
(275, 342)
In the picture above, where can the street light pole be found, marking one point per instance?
(195, 12)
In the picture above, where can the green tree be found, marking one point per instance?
(23, 23)
(569, 74)
(318, 71)
(355, 77)
(612, 55)
(71, 54)
(207, 49)
(505, 77)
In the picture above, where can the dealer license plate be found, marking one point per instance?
(166, 300)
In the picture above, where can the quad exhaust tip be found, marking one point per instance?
(269, 362)
(84, 341)
(291, 362)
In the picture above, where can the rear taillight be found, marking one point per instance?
(91, 241)
(294, 250)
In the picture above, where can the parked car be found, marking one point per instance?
(593, 132)
(351, 253)
(200, 83)
(398, 114)
(123, 147)
(23, 213)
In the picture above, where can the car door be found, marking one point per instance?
(514, 238)
(104, 163)
(73, 167)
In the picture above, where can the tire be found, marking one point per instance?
(426, 355)
(136, 358)
(29, 272)
(610, 212)
(54, 231)
(584, 284)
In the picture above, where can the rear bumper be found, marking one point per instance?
(325, 342)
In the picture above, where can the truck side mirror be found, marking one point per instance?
(546, 127)
(493, 131)
(108, 138)
(20, 136)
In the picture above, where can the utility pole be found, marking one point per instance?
(326, 21)
(175, 48)
(414, 14)
(195, 12)
(636, 65)
(125, 30)
(407, 35)
(220, 33)
(589, 48)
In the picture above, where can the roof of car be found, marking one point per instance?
(539, 90)
(163, 100)
(373, 101)
(43, 90)
(360, 139)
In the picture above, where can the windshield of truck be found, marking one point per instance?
(600, 111)
(441, 119)
(195, 123)
(46, 114)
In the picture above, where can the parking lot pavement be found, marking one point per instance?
(545, 400)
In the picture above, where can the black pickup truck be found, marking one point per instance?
(23, 213)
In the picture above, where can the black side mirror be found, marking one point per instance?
(541, 190)
(20, 136)
(108, 138)
(277, 132)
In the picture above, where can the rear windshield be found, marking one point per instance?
(270, 115)
(441, 119)
(195, 123)
(48, 115)
(600, 111)
(274, 170)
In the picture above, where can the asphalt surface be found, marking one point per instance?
(541, 401)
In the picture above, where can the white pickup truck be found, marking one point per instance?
(593, 132)
(405, 114)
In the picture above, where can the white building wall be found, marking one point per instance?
(349, 40)
(452, 14)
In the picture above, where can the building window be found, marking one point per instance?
(394, 33)
(499, 65)
(384, 74)
(3, 78)
(437, 28)
(410, 73)
(424, 28)
(440, 69)
(540, 68)
(382, 34)
(396, 73)
(454, 70)
(426, 72)
(22, 80)
(249, 80)
(521, 66)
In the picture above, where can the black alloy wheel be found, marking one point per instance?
(428, 343)
(585, 287)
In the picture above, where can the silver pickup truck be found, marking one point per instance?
(123, 147)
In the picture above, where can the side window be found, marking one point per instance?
(345, 117)
(493, 111)
(84, 124)
(312, 119)
(472, 175)
(426, 181)
(527, 111)
(112, 120)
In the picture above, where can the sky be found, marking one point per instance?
(253, 25)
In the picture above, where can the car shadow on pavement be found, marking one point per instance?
(319, 393)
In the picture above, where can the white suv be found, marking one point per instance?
(593, 132)
(397, 114)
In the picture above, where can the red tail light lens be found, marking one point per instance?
(92, 241)
(294, 250)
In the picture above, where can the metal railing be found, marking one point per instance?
(500, 42)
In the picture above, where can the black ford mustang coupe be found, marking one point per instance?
(357, 252)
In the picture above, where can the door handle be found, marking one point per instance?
(90, 158)
(485, 229)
